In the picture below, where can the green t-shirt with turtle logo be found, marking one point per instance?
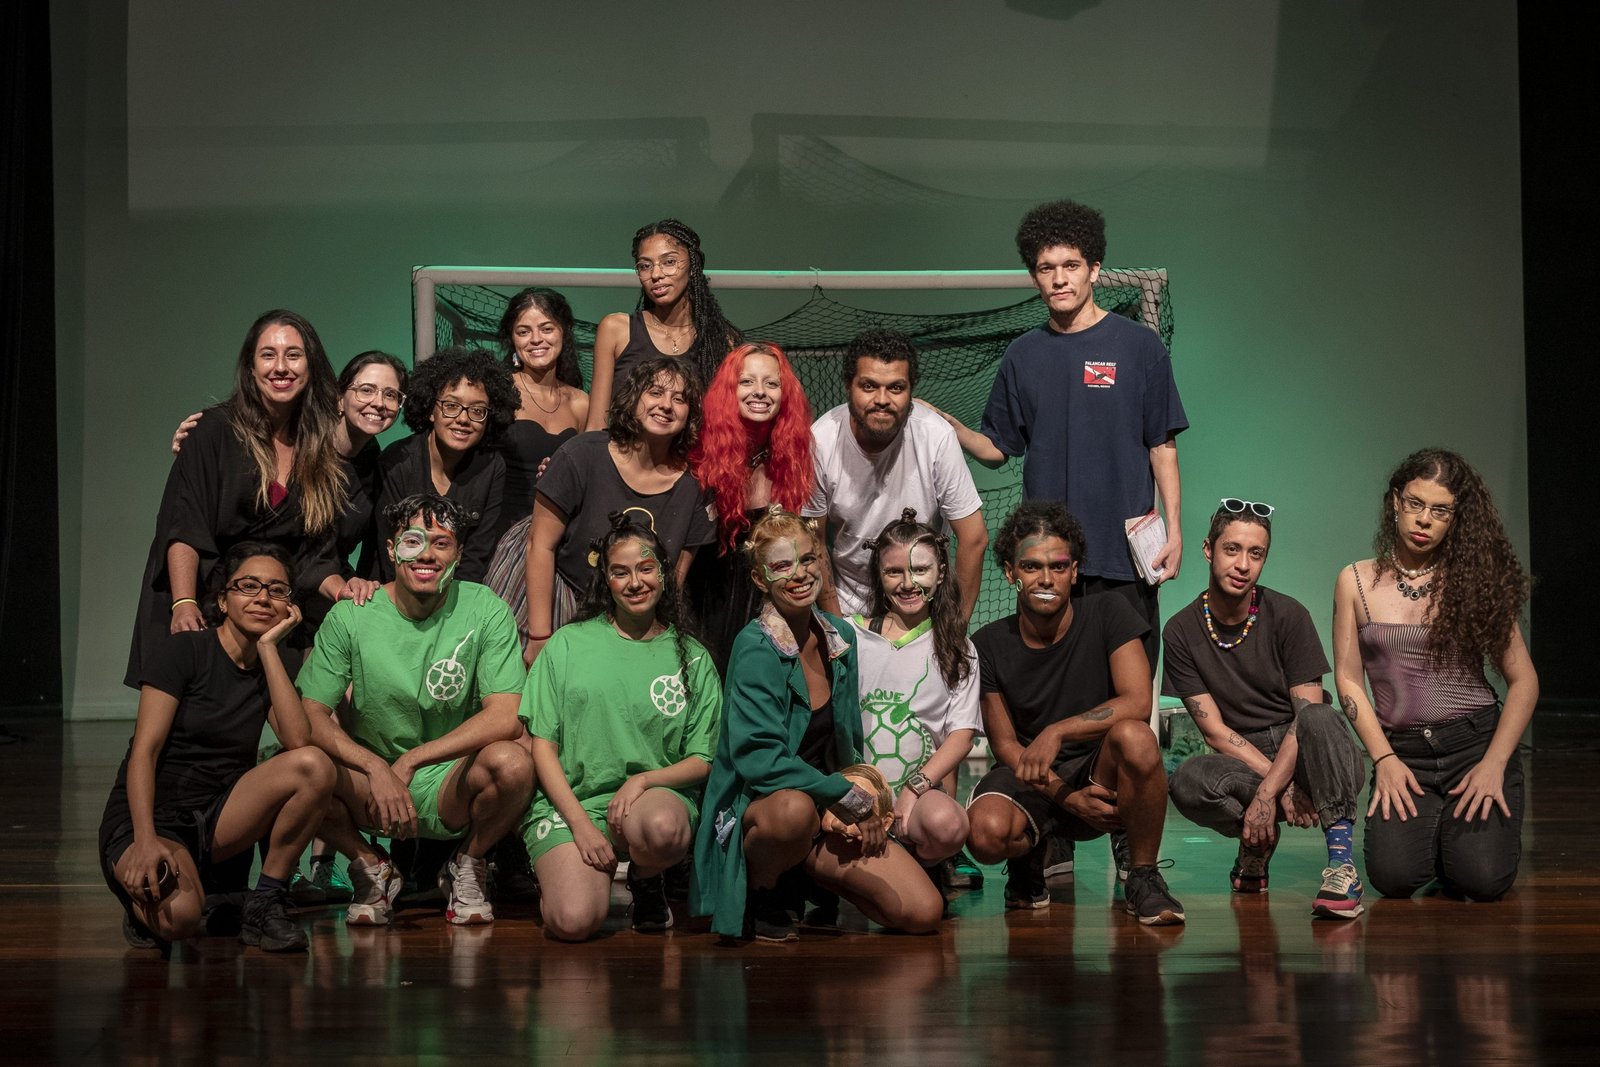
(907, 710)
(413, 680)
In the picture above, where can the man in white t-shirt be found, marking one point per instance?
(878, 454)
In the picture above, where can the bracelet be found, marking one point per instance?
(539, 637)
(1383, 757)
(182, 600)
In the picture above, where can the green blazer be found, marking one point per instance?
(765, 712)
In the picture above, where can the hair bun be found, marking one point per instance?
(908, 515)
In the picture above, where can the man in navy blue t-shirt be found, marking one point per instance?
(1089, 402)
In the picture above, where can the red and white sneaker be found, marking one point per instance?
(1340, 895)
(372, 894)
(465, 881)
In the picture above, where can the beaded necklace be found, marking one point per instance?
(1250, 620)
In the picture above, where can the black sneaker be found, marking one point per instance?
(1148, 898)
(138, 935)
(677, 877)
(1025, 886)
(1059, 856)
(267, 924)
(769, 919)
(961, 871)
(650, 912)
(1121, 854)
(511, 876)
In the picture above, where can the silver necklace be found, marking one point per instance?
(1404, 587)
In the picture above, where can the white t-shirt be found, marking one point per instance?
(923, 469)
(907, 711)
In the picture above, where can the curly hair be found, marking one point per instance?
(231, 562)
(436, 510)
(554, 306)
(623, 420)
(713, 334)
(1062, 222)
(721, 459)
(944, 608)
(324, 491)
(1040, 518)
(1483, 586)
(885, 346)
(672, 608)
(455, 364)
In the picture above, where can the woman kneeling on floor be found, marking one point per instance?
(623, 705)
(776, 799)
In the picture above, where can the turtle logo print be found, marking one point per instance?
(896, 741)
(667, 693)
(447, 678)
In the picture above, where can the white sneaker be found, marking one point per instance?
(373, 892)
(464, 881)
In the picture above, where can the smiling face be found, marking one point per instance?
(1065, 280)
(461, 431)
(1043, 573)
(880, 401)
(760, 388)
(911, 576)
(790, 572)
(253, 614)
(663, 408)
(663, 269)
(536, 338)
(279, 366)
(633, 571)
(1237, 556)
(372, 401)
(1423, 512)
(424, 557)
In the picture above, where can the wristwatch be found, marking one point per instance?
(920, 783)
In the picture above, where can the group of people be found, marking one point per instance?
(687, 627)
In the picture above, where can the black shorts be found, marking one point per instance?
(193, 828)
(1044, 817)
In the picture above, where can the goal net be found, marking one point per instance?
(958, 350)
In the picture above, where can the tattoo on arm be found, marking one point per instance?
(1195, 710)
(1299, 703)
(1293, 724)
(1349, 707)
(1097, 714)
(1235, 740)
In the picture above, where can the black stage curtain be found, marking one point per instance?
(30, 585)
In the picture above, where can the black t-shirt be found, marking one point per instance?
(217, 727)
(582, 480)
(816, 744)
(1042, 686)
(1251, 681)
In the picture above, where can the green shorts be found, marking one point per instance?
(426, 784)
(544, 828)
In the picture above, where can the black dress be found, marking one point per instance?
(210, 504)
(722, 595)
(479, 486)
(525, 445)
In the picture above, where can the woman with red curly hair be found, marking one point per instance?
(754, 450)
(1440, 599)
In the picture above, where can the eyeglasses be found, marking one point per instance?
(450, 409)
(666, 266)
(1440, 512)
(367, 391)
(1233, 506)
(253, 587)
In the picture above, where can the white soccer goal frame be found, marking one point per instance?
(426, 280)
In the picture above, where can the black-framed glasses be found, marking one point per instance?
(368, 392)
(253, 587)
(1440, 512)
(450, 409)
(1234, 506)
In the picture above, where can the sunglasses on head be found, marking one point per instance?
(1234, 506)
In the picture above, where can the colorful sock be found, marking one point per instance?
(1339, 840)
(266, 882)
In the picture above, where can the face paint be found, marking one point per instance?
(781, 562)
(923, 569)
(410, 543)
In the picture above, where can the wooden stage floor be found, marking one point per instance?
(1247, 981)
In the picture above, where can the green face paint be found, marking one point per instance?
(410, 543)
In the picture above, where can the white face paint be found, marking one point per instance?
(410, 543)
(789, 571)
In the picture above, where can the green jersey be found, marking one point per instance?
(617, 707)
(413, 680)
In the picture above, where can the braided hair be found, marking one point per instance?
(714, 336)
(944, 607)
(672, 609)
